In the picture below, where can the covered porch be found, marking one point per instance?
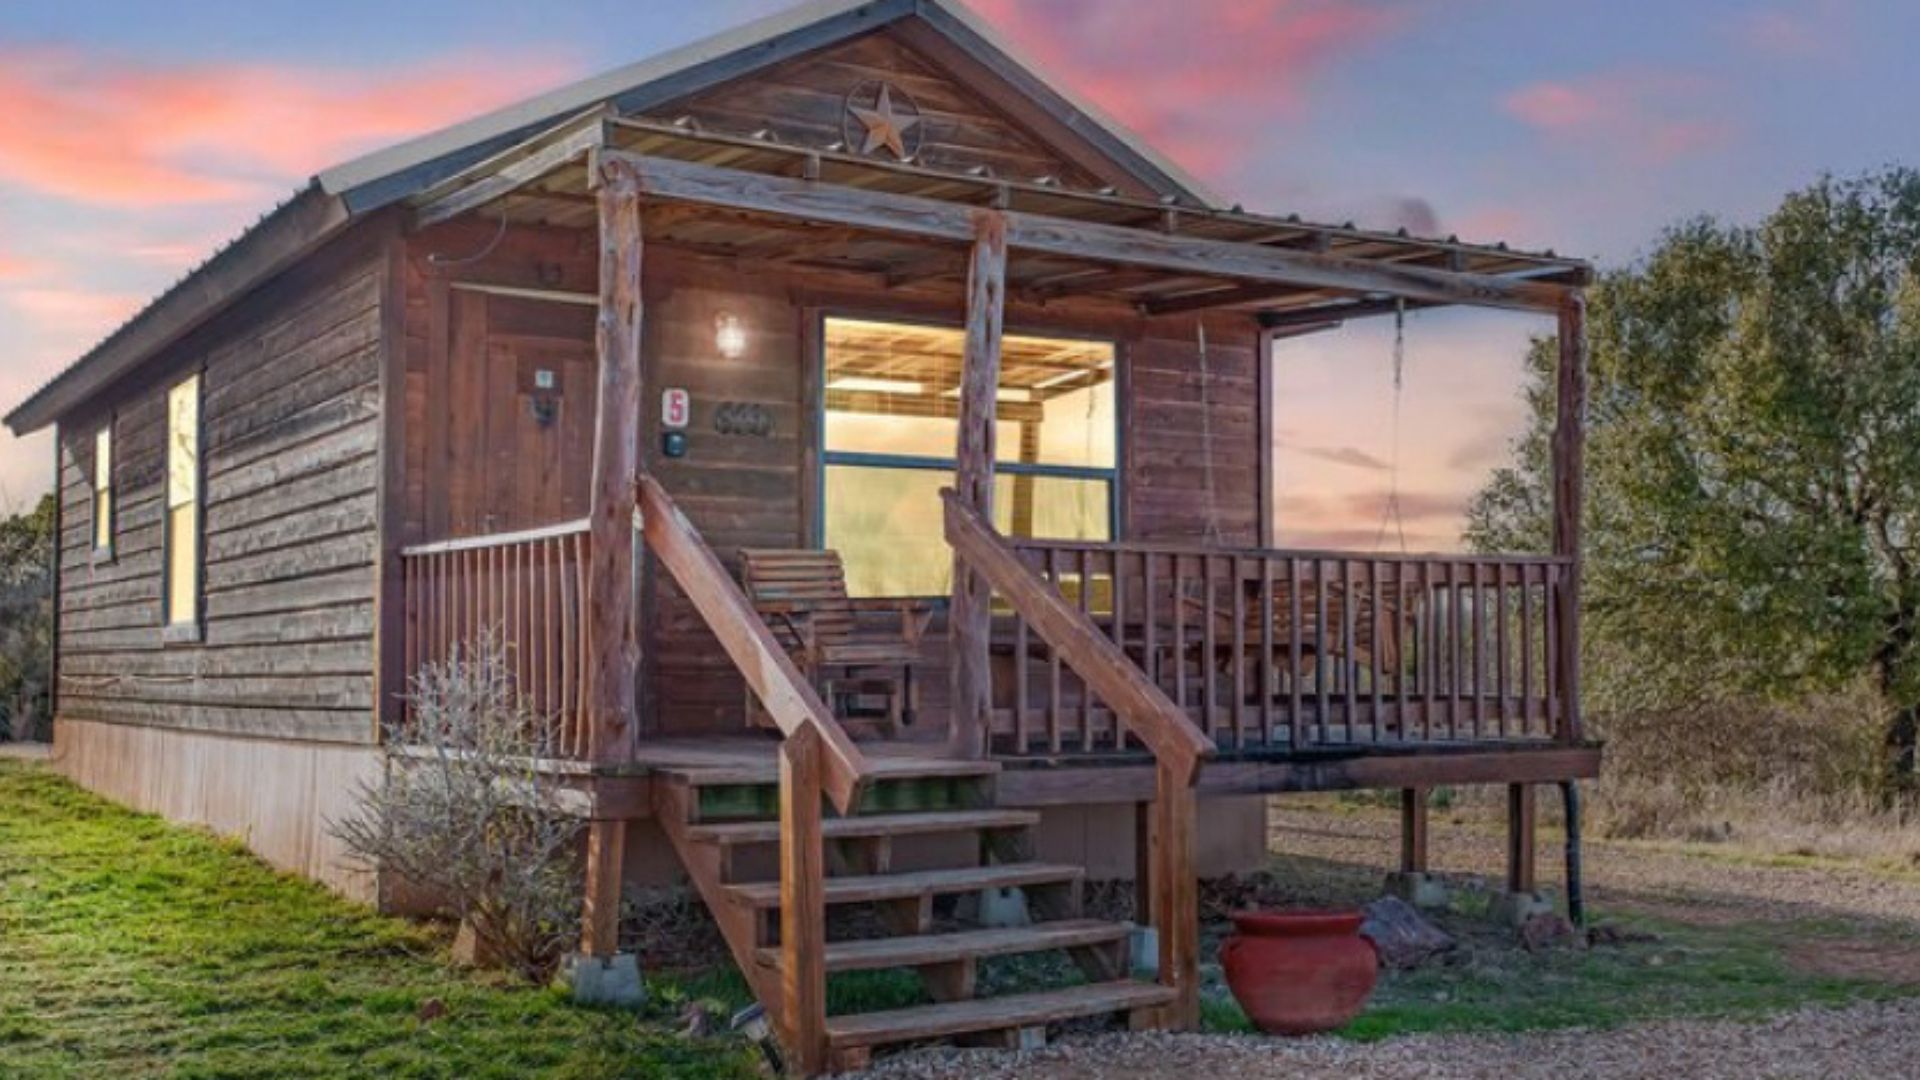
(1118, 664)
(1260, 648)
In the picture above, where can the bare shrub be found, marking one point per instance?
(464, 813)
(1826, 745)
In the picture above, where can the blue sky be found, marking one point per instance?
(133, 136)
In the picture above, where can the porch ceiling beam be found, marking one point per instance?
(1254, 294)
(1332, 315)
(511, 176)
(933, 220)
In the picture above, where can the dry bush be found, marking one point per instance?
(1823, 746)
(1802, 779)
(464, 813)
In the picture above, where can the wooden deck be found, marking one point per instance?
(1025, 782)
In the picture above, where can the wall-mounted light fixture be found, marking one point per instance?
(729, 336)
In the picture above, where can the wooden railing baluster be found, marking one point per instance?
(1268, 687)
(1055, 706)
(1322, 709)
(1375, 646)
(1296, 629)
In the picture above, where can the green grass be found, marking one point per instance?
(133, 948)
(1738, 972)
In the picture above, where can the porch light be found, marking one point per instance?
(729, 336)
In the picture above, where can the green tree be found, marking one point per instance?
(1753, 517)
(26, 622)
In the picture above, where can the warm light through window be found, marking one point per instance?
(891, 429)
(183, 502)
(103, 489)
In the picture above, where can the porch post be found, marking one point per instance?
(971, 614)
(1569, 438)
(613, 647)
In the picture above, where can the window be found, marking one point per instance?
(103, 490)
(892, 398)
(183, 503)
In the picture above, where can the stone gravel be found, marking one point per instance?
(1873, 1040)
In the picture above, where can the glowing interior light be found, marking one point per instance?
(729, 336)
(872, 385)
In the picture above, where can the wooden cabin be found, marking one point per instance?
(854, 278)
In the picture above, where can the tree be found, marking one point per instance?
(1753, 460)
(26, 622)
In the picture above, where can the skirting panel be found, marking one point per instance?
(276, 797)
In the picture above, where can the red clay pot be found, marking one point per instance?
(1302, 972)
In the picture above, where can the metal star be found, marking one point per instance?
(884, 126)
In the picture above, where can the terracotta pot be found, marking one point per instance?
(1302, 972)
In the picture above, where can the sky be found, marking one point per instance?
(136, 137)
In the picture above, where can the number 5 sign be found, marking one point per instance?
(676, 409)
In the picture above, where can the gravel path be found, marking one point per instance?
(1881, 1040)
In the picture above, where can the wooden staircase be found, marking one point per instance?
(940, 817)
(770, 864)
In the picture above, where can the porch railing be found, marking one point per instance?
(1296, 649)
(527, 589)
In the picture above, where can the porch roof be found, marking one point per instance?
(752, 196)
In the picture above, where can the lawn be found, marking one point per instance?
(132, 948)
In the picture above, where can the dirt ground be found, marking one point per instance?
(1862, 925)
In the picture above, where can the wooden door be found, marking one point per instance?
(520, 397)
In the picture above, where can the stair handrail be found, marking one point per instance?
(1167, 826)
(1142, 707)
(784, 692)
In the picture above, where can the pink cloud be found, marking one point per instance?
(102, 129)
(78, 312)
(1194, 85)
(1653, 118)
(16, 267)
(1813, 31)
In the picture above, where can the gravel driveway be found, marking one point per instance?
(1348, 851)
(1879, 1040)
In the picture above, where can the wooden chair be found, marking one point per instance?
(849, 648)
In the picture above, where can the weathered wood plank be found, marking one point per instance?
(970, 624)
(612, 639)
(934, 220)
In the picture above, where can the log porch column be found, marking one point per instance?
(970, 616)
(613, 643)
(1569, 491)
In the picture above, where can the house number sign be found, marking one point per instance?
(676, 408)
(743, 418)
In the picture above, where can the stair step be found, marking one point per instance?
(992, 1014)
(876, 953)
(944, 821)
(857, 890)
(879, 770)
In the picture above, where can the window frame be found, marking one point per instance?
(188, 630)
(825, 458)
(102, 493)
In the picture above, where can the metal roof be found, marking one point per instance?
(340, 196)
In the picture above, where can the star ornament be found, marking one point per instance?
(885, 127)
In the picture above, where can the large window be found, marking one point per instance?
(103, 489)
(183, 503)
(892, 405)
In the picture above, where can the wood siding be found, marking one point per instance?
(804, 102)
(758, 490)
(290, 450)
